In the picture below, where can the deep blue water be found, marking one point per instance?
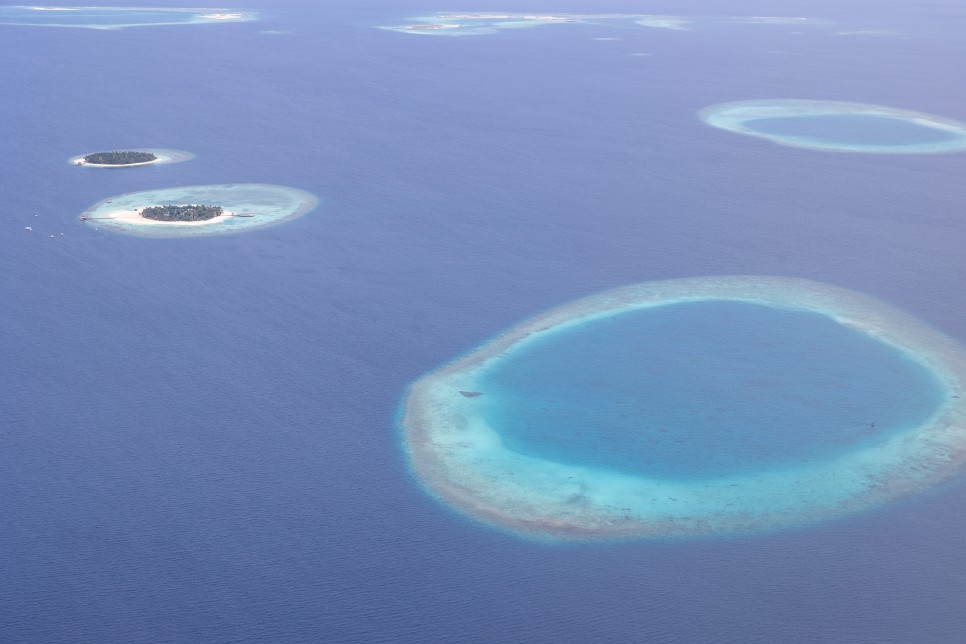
(197, 438)
(704, 389)
(854, 129)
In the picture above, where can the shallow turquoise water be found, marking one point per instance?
(704, 389)
(854, 129)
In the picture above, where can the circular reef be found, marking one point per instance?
(191, 211)
(130, 158)
(688, 408)
(839, 127)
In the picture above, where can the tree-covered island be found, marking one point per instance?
(182, 213)
(119, 157)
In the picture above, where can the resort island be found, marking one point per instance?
(199, 210)
(182, 213)
(118, 157)
(131, 157)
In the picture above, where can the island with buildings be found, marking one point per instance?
(182, 213)
(119, 157)
(130, 157)
(199, 210)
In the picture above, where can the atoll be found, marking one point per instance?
(456, 452)
(836, 126)
(175, 212)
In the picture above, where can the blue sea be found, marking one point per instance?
(198, 437)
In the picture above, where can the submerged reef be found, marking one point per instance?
(115, 17)
(130, 158)
(457, 446)
(835, 126)
(228, 208)
(484, 23)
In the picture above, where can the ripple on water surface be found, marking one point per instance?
(840, 127)
(691, 407)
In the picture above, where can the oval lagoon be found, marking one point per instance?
(691, 407)
(244, 207)
(839, 127)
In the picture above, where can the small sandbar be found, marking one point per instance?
(162, 157)
(450, 427)
(246, 206)
(835, 126)
(117, 17)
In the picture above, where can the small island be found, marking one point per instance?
(182, 213)
(120, 157)
(192, 211)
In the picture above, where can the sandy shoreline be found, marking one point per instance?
(87, 164)
(133, 216)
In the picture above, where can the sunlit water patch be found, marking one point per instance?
(691, 407)
(116, 17)
(246, 206)
(839, 127)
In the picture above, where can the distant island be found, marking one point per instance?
(182, 213)
(120, 157)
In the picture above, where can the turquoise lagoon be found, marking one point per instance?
(691, 407)
(839, 127)
(115, 17)
(703, 388)
(255, 205)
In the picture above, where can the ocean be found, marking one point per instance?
(199, 437)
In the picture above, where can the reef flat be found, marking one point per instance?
(835, 126)
(460, 450)
(484, 23)
(241, 207)
(116, 17)
(161, 156)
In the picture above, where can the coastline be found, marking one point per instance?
(133, 216)
(87, 164)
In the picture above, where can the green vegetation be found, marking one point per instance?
(182, 213)
(120, 157)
